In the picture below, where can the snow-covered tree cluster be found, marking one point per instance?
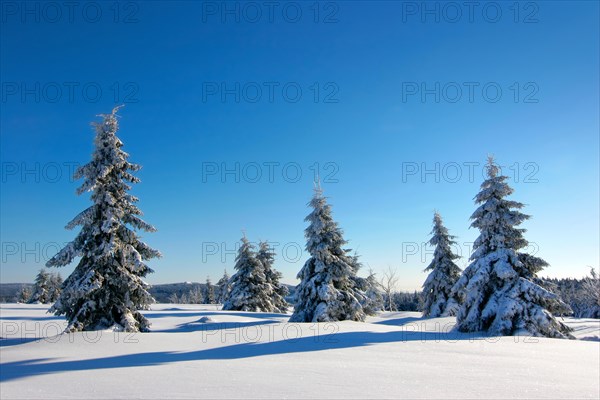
(499, 292)
(328, 289)
(437, 289)
(106, 289)
(255, 286)
(582, 295)
(46, 288)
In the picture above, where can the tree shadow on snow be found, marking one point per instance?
(196, 326)
(248, 314)
(22, 369)
(6, 342)
(401, 321)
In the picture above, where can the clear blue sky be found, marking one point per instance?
(374, 126)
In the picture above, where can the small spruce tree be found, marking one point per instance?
(224, 287)
(250, 290)
(374, 301)
(209, 292)
(56, 282)
(266, 256)
(42, 288)
(437, 289)
(24, 294)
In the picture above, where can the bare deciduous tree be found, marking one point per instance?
(389, 280)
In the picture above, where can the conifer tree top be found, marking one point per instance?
(497, 218)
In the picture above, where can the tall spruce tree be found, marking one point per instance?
(106, 288)
(437, 300)
(266, 256)
(497, 290)
(224, 287)
(250, 290)
(327, 289)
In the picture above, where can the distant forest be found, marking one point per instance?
(572, 291)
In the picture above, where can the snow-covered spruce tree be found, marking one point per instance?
(249, 288)
(56, 282)
(496, 291)
(42, 288)
(437, 300)
(266, 256)
(374, 301)
(24, 294)
(196, 295)
(174, 299)
(327, 289)
(591, 295)
(106, 288)
(209, 292)
(224, 287)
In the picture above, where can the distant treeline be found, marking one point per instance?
(572, 291)
(582, 295)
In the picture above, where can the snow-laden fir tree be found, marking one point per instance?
(24, 294)
(209, 292)
(366, 290)
(497, 291)
(106, 288)
(437, 300)
(196, 295)
(266, 256)
(327, 289)
(224, 287)
(56, 282)
(250, 290)
(374, 301)
(591, 295)
(42, 288)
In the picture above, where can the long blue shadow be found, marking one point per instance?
(400, 321)
(213, 326)
(258, 315)
(50, 317)
(6, 342)
(22, 369)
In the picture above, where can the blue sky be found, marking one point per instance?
(378, 105)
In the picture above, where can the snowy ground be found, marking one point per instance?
(259, 355)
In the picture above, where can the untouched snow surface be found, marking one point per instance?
(196, 351)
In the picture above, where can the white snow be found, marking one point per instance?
(260, 355)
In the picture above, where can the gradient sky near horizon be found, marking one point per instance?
(233, 109)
